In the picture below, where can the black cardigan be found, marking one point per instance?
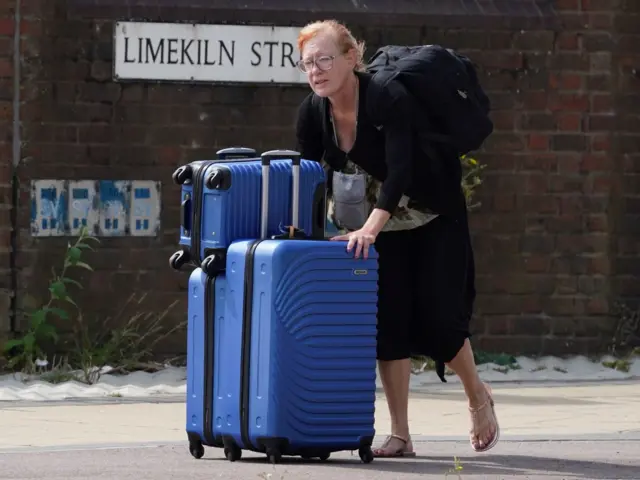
(389, 152)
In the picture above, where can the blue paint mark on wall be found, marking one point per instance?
(79, 194)
(48, 208)
(105, 207)
(114, 206)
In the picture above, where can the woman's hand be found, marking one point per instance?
(360, 239)
(365, 237)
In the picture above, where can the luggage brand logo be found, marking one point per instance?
(361, 271)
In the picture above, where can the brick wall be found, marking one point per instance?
(556, 237)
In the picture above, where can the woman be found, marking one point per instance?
(426, 284)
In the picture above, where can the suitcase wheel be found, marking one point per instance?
(233, 453)
(196, 449)
(214, 180)
(212, 265)
(366, 455)
(274, 456)
(324, 457)
(178, 259)
(182, 174)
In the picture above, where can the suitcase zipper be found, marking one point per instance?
(209, 359)
(196, 213)
(246, 344)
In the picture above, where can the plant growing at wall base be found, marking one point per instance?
(471, 179)
(25, 352)
(121, 342)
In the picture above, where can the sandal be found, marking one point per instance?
(480, 423)
(402, 451)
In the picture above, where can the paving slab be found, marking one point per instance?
(548, 412)
(435, 460)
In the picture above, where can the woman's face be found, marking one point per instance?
(326, 66)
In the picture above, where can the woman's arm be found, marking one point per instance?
(398, 156)
(309, 131)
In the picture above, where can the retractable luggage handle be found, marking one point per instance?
(236, 152)
(267, 157)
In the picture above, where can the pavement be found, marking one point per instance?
(549, 431)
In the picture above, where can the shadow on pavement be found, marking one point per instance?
(502, 466)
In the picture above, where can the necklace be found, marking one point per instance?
(333, 123)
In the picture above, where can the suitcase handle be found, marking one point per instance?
(185, 213)
(236, 152)
(267, 157)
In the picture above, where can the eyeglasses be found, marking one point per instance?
(323, 63)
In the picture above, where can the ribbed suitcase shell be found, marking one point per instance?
(234, 214)
(205, 313)
(306, 383)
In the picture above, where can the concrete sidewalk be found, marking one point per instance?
(537, 412)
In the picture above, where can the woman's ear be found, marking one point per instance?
(351, 57)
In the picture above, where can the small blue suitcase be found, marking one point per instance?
(221, 203)
(206, 302)
(300, 346)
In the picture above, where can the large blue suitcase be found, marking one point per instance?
(299, 347)
(206, 304)
(221, 203)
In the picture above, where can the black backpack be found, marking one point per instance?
(446, 89)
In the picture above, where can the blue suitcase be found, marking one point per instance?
(299, 346)
(206, 304)
(221, 203)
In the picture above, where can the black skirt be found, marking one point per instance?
(426, 290)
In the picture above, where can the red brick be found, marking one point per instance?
(599, 123)
(600, 143)
(569, 102)
(539, 204)
(539, 162)
(536, 263)
(504, 202)
(601, 103)
(600, 5)
(6, 68)
(538, 142)
(503, 119)
(568, 41)
(569, 164)
(602, 183)
(500, 60)
(566, 81)
(7, 26)
(602, 21)
(535, 100)
(537, 183)
(567, 4)
(570, 122)
(597, 162)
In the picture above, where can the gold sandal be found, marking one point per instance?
(400, 452)
(479, 424)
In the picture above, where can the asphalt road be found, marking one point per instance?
(550, 460)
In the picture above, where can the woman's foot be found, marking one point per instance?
(485, 431)
(395, 446)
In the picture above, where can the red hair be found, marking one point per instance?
(343, 36)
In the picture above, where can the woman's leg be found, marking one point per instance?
(446, 278)
(484, 427)
(394, 314)
(395, 380)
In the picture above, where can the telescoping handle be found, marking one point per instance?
(267, 157)
(236, 152)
